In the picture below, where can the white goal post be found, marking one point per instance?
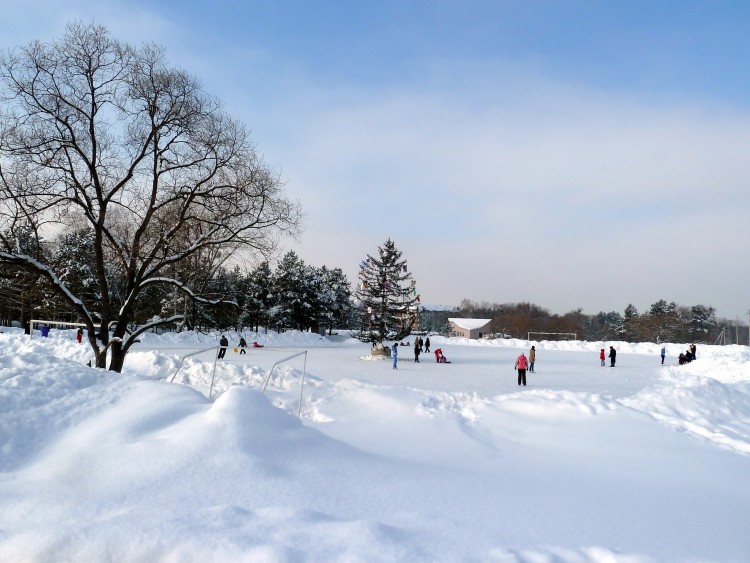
(61, 324)
(573, 334)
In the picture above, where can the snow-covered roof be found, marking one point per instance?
(470, 324)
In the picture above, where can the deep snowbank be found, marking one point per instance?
(426, 463)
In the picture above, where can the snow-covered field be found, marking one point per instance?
(430, 462)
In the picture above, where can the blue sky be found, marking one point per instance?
(572, 154)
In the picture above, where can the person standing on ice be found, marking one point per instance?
(223, 345)
(612, 356)
(427, 344)
(602, 356)
(663, 353)
(394, 353)
(532, 358)
(521, 363)
(79, 335)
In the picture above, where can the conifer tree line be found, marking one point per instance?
(293, 295)
(663, 322)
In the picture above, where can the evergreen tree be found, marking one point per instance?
(629, 327)
(665, 321)
(294, 305)
(335, 298)
(387, 297)
(661, 307)
(259, 297)
(223, 311)
(702, 321)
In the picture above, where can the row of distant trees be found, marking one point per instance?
(663, 322)
(293, 295)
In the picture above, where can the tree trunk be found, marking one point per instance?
(101, 358)
(118, 357)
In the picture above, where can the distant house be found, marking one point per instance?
(470, 328)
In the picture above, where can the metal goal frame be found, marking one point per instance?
(573, 334)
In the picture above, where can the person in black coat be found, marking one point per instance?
(612, 356)
(223, 345)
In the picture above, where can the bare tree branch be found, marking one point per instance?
(98, 131)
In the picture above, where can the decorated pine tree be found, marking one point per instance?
(387, 297)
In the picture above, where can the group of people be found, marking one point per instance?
(687, 356)
(419, 345)
(524, 363)
(242, 349)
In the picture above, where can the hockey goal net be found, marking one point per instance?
(553, 335)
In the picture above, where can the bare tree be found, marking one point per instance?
(94, 131)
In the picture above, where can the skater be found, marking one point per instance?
(602, 356)
(223, 344)
(427, 344)
(394, 353)
(243, 346)
(521, 364)
(417, 350)
(532, 358)
(663, 353)
(612, 356)
(692, 351)
(79, 335)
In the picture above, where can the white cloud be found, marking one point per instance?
(570, 198)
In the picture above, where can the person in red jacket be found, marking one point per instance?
(602, 356)
(521, 363)
(440, 357)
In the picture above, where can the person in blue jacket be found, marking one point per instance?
(394, 353)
